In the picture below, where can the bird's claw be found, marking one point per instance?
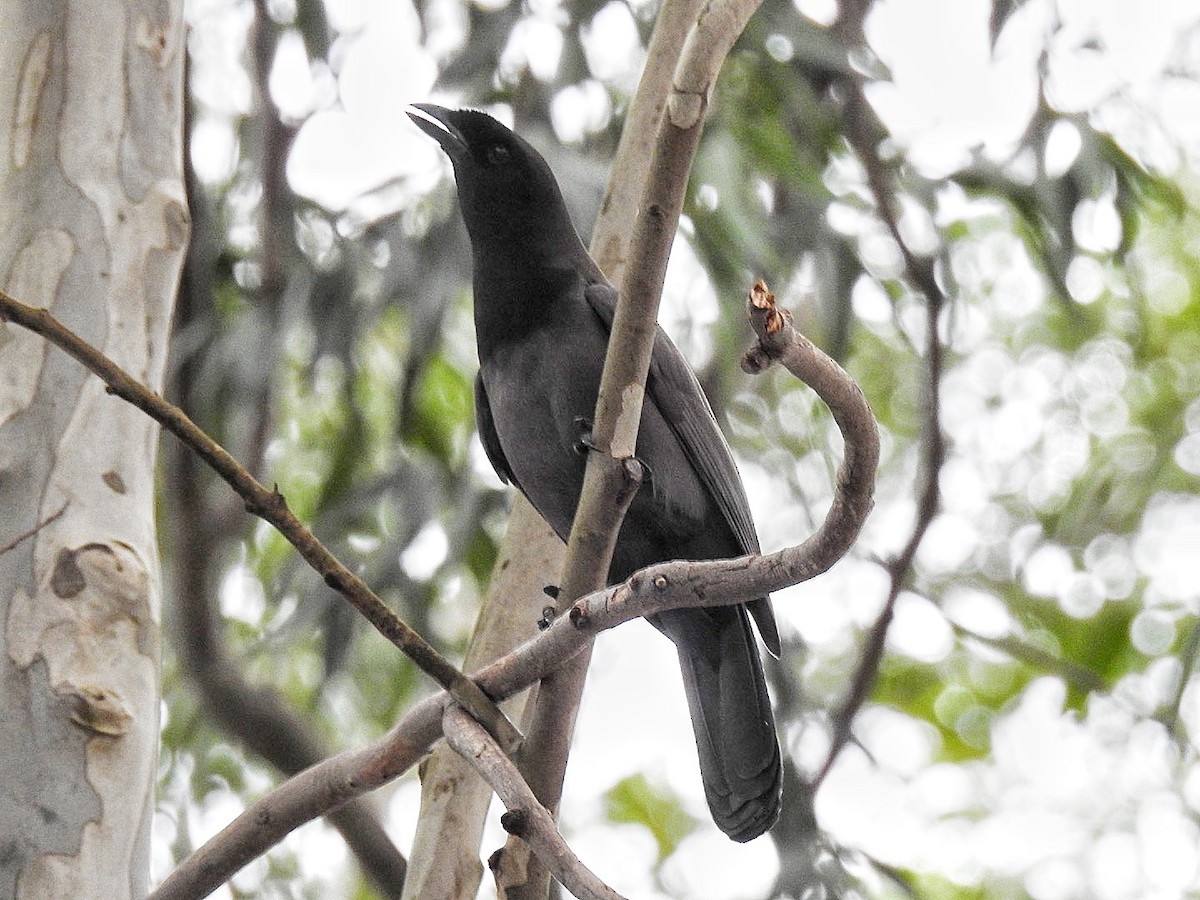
(647, 472)
(548, 612)
(584, 442)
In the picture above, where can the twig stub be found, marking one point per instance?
(515, 821)
(773, 326)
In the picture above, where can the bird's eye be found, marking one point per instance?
(498, 154)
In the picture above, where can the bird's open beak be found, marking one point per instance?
(435, 121)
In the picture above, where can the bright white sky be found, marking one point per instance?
(359, 138)
(948, 96)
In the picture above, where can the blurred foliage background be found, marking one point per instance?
(1030, 726)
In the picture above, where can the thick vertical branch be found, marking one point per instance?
(444, 860)
(618, 409)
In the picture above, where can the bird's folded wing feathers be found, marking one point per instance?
(691, 418)
(487, 434)
(672, 387)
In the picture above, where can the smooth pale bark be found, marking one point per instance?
(444, 863)
(93, 227)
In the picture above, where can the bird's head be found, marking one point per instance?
(505, 186)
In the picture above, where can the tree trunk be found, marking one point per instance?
(93, 228)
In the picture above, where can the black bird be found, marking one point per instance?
(543, 313)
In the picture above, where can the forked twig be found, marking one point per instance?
(526, 817)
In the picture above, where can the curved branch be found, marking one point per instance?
(855, 483)
(272, 508)
(526, 818)
(654, 589)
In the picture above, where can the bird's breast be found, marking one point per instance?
(540, 387)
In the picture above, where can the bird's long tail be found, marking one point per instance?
(731, 714)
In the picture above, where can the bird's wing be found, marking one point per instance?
(487, 434)
(674, 390)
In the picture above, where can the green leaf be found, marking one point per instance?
(444, 410)
(635, 800)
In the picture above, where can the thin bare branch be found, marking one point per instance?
(272, 508)
(1080, 676)
(526, 817)
(1187, 665)
(920, 273)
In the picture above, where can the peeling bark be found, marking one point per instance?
(94, 229)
